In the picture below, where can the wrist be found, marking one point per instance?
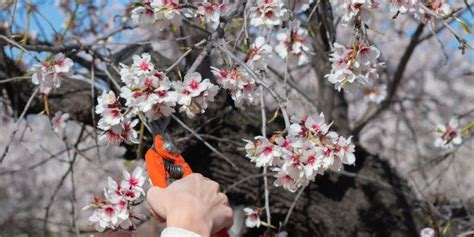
(188, 221)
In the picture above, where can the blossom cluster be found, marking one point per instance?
(159, 13)
(356, 63)
(117, 127)
(306, 150)
(150, 92)
(294, 45)
(194, 93)
(115, 211)
(356, 11)
(210, 13)
(439, 7)
(239, 83)
(268, 13)
(163, 13)
(59, 122)
(48, 74)
(352, 11)
(448, 134)
(252, 217)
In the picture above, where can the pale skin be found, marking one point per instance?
(193, 203)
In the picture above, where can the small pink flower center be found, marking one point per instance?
(194, 85)
(144, 66)
(115, 113)
(130, 194)
(109, 211)
(267, 150)
(60, 62)
(327, 152)
(133, 182)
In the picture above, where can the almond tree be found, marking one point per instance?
(298, 108)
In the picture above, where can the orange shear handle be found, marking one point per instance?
(155, 163)
(157, 172)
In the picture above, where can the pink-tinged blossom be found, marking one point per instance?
(403, 6)
(294, 44)
(157, 13)
(143, 15)
(194, 93)
(258, 54)
(252, 217)
(240, 85)
(268, 13)
(265, 152)
(59, 122)
(351, 11)
(147, 90)
(305, 151)
(116, 210)
(375, 94)
(167, 12)
(284, 180)
(134, 182)
(317, 125)
(122, 132)
(439, 7)
(109, 108)
(357, 63)
(448, 134)
(49, 74)
(210, 12)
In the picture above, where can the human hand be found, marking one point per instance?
(193, 203)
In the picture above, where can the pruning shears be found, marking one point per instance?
(164, 161)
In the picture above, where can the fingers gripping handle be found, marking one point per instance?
(155, 163)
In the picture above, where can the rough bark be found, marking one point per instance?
(378, 202)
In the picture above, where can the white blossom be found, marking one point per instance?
(115, 211)
(305, 151)
(268, 13)
(258, 54)
(146, 89)
(194, 93)
(122, 132)
(241, 86)
(48, 74)
(167, 12)
(294, 44)
(210, 12)
(252, 217)
(448, 134)
(357, 63)
(59, 122)
(427, 232)
(355, 10)
(403, 6)
(158, 14)
(109, 108)
(439, 7)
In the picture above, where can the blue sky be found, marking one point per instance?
(48, 8)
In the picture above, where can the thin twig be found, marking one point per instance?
(20, 119)
(265, 178)
(278, 99)
(293, 204)
(204, 141)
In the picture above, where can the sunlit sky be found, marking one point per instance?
(41, 28)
